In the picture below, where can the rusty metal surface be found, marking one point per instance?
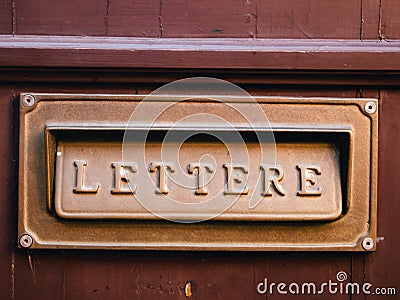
(347, 201)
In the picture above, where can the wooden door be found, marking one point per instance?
(295, 48)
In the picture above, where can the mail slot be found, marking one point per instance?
(303, 184)
(305, 181)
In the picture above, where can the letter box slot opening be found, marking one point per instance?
(308, 183)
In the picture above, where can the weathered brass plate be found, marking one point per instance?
(321, 196)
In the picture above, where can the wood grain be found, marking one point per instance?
(333, 68)
(7, 206)
(162, 275)
(294, 19)
(100, 52)
(301, 268)
(61, 17)
(208, 18)
(134, 18)
(309, 19)
(131, 80)
(370, 19)
(6, 17)
(38, 275)
(389, 19)
(158, 275)
(382, 268)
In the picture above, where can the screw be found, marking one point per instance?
(28, 100)
(370, 108)
(26, 241)
(368, 244)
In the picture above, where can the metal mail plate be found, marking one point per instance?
(93, 176)
(110, 198)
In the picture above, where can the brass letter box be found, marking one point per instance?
(199, 176)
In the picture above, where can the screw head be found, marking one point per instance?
(28, 100)
(26, 241)
(370, 108)
(368, 244)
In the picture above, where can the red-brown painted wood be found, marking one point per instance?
(6, 16)
(301, 268)
(38, 275)
(7, 198)
(309, 19)
(201, 54)
(61, 17)
(303, 67)
(209, 18)
(305, 19)
(382, 268)
(157, 275)
(370, 19)
(133, 18)
(389, 21)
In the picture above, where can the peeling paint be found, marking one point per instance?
(160, 23)
(188, 289)
(13, 275)
(32, 266)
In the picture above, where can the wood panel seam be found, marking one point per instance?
(160, 24)
(14, 188)
(380, 21)
(362, 20)
(14, 18)
(256, 19)
(106, 16)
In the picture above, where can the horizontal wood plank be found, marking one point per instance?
(309, 19)
(131, 78)
(61, 17)
(133, 18)
(255, 54)
(208, 18)
(6, 17)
